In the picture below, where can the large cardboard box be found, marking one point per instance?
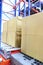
(4, 33)
(14, 31)
(5, 26)
(14, 24)
(4, 37)
(13, 39)
(32, 36)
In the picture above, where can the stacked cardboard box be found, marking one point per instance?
(4, 37)
(4, 33)
(14, 32)
(32, 36)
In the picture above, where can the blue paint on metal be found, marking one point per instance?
(40, 6)
(29, 7)
(24, 12)
(19, 9)
(24, 9)
(0, 19)
(15, 9)
(37, 4)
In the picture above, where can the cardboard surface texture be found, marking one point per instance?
(12, 25)
(14, 31)
(5, 26)
(11, 38)
(32, 36)
(4, 37)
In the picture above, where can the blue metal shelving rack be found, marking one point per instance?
(0, 19)
(25, 8)
(30, 5)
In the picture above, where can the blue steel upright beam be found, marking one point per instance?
(19, 9)
(40, 5)
(0, 19)
(29, 3)
(24, 9)
(15, 9)
(29, 7)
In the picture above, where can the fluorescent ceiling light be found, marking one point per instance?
(41, 0)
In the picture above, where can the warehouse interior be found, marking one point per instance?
(21, 32)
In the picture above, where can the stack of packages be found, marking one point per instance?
(4, 33)
(32, 36)
(12, 34)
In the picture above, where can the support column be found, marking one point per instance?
(0, 19)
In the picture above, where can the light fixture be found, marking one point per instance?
(41, 0)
